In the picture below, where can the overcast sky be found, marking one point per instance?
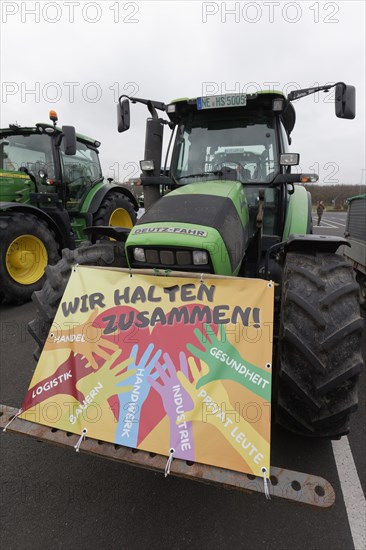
(76, 57)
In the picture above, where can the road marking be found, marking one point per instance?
(326, 224)
(354, 498)
(333, 221)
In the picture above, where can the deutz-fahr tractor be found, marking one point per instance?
(229, 204)
(51, 188)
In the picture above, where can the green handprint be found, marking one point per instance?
(225, 363)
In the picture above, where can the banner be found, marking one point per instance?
(159, 363)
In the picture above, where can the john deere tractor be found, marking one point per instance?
(230, 205)
(51, 188)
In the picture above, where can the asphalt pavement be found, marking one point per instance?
(54, 498)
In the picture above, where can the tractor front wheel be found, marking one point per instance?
(116, 210)
(46, 300)
(316, 387)
(27, 246)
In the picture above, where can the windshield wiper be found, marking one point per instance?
(202, 174)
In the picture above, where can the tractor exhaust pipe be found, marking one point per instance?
(153, 152)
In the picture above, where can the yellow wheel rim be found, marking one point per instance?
(26, 259)
(120, 218)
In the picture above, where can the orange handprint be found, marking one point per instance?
(85, 339)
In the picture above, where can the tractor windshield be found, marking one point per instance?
(242, 146)
(30, 153)
(80, 172)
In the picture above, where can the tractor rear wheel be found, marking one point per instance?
(27, 246)
(46, 300)
(361, 279)
(116, 210)
(319, 358)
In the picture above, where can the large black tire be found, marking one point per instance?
(319, 359)
(116, 210)
(46, 300)
(27, 246)
(361, 279)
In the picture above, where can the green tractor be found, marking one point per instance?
(51, 189)
(229, 205)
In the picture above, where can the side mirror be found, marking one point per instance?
(123, 115)
(69, 138)
(345, 101)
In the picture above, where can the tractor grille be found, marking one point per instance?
(177, 259)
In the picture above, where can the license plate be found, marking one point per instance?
(220, 101)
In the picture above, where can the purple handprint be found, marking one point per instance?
(176, 402)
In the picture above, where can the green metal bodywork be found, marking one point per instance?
(233, 190)
(297, 213)
(15, 186)
(213, 241)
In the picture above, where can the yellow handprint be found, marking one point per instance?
(84, 339)
(211, 403)
(105, 380)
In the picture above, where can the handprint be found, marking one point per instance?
(130, 403)
(84, 339)
(176, 402)
(108, 380)
(225, 363)
(96, 388)
(211, 404)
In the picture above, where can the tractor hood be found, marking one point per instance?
(211, 216)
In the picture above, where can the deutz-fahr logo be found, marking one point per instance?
(180, 230)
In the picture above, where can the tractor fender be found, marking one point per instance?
(59, 223)
(314, 243)
(298, 215)
(101, 193)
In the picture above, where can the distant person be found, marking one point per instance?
(320, 211)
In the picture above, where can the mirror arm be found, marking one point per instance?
(298, 94)
(148, 102)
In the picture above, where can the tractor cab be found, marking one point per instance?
(234, 138)
(47, 160)
(232, 199)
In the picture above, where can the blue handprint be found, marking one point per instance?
(130, 403)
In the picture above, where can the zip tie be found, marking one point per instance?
(266, 483)
(169, 462)
(129, 269)
(156, 271)
(201, 279)
(167, 272)
(80, 440)
(11, 420)
(74, 267)
(270, 284)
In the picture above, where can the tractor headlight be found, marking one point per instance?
(147, 165)
(200, 257)
(139, 254)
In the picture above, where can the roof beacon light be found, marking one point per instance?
(53, 116)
